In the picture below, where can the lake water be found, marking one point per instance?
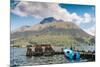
(18, 58)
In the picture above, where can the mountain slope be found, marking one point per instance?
(56, 33)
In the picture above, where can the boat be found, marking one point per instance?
(71, 54)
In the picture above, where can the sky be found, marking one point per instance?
(31, 13)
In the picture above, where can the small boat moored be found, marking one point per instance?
(72, 55)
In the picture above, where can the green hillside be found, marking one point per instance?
(56, 33)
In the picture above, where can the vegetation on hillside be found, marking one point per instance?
(56, 33)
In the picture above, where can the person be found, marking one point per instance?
(76, 55)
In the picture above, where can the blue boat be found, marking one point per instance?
(72, 55)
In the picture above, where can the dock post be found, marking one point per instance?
(29, 52)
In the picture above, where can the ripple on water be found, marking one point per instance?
(18, 58)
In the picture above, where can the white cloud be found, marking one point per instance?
(43, 10)
(87, 18)
(91, 30)
(75, 18)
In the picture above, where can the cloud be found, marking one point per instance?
(75, 18)
(91, 30)
(42, 10)
(87, 18)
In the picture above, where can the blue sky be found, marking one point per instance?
(79, 9)
(18, 20)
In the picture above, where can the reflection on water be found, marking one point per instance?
(18, 58)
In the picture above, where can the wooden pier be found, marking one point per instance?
(47, 50)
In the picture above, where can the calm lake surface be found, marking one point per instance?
(18, 58)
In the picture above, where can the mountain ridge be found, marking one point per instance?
(54, 32)
(45, 23)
